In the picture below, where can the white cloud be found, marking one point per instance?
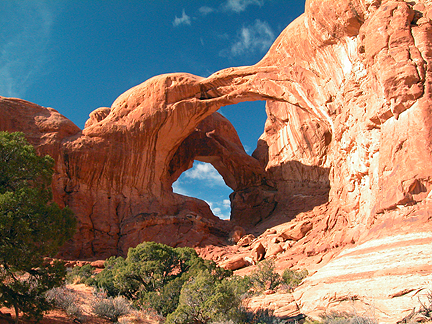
(204, 10)
(204, 182)
(236, 6)
(24, 46)
(178, 188)
(226, 203)
(183, 20)
(241, 5)
(250, 39)
(205, 171)
(217, 211)
(220, 209)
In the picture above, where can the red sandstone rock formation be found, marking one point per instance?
(343, 170)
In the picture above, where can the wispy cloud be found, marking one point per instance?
(251, 39)
(24, 45)
(204, 182)
(178, 187)
(241, 5)
(236, 6)
(205, 171)
(183, 20)
(220, 209)
(204, 10)
(226, 203)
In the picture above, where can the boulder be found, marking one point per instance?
(237, 234)
(99, 264)
(235, 263)
(274, 249)
(246, 240)
(258, 252)
(297, 232)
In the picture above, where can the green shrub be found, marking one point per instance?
(141, 316)
(263, 316)
(153, 275)
(264, 277)
(205, 298)
(106, 279)
(80, 274)
(111, 308)
(293, 278)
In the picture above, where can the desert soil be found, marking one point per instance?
(84, 295)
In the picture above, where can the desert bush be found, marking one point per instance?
(206, 298)
(264, 277)
(141, 316)
(422, 314)
(293, 278)
(80, 274)
(64, 298)
(111, 308)
(262, 316)
(153, 274)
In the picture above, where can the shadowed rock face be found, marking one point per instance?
(348, 92)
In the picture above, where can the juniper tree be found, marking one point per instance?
(31, 227)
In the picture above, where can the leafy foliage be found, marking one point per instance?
(206, 298)
(263, 316)
(31, 227)
(80, 274)
(153, 275)
(264, 277)
(293, 278)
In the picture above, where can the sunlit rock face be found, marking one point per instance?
(346, 146)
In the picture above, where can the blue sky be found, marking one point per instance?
(78, 55)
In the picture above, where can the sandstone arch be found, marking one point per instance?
(215, 141)
(348, 91)
(117, 172)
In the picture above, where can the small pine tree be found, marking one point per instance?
(265, 277)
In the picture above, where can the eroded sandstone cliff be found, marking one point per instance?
(342, 171)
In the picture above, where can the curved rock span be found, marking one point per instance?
(346, 147)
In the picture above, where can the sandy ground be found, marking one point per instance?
(84, 295)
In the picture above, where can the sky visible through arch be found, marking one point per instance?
(78, 55)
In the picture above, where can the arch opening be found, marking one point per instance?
(204, 182)
(214, 160)
(249, 124)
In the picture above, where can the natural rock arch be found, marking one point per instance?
(116, 174)
(215, 141)
(348, 90)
